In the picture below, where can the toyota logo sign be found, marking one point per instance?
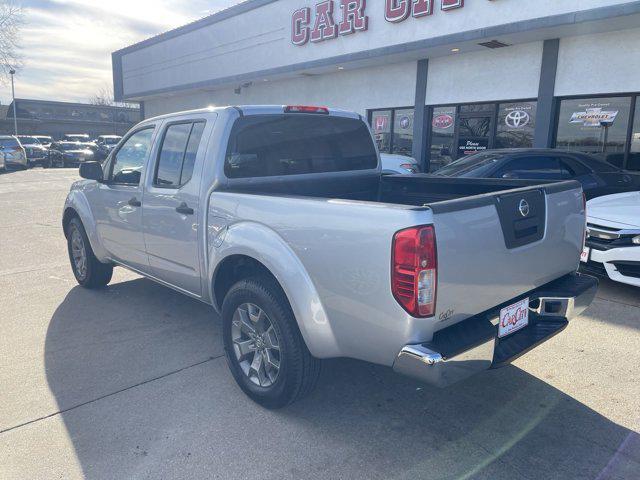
(517, 119)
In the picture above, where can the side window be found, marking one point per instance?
(128, 162)
(576, 167)
(192, 151)
(177, 154)
(535, 168)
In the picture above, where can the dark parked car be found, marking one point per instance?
(597, 177)
(66, 154)
(37, 154)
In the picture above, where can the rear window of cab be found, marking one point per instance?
(295, 144)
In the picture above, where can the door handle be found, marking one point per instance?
(184, 209)
(134, 202)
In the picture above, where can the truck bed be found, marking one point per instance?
(416, 190)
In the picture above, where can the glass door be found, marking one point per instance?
(475, 128)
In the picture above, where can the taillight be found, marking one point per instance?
(414, 275)
(305, 109)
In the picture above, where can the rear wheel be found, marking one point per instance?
(88, 270)
(265, 351)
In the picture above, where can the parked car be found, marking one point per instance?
(613, 238)
(44, 140)
(14, 154)
(398, 164)
(67, 154)
(294, 235)
(100, 151)
(37, 154)
(597, 177)
(108, 141)
(76, 137)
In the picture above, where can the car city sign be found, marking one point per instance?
(323, 23)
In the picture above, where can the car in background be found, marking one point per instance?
(14, 154)
(612, 248)
(398, 164)
(37, 154)
(44, 140)
(108, 141)
(597, 177)
(100, 151)
(76, 137)
(67, 154)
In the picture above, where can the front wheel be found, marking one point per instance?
(265, 351)
(88, 270)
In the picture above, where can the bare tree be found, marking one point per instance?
(104, 96)
(11, 20)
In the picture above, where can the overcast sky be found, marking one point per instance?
(67, 44)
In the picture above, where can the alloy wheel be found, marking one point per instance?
(78, 252)
(255, 344)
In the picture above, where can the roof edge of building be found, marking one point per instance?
(232, 11)
(594, 14)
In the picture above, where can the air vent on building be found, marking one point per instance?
(494, 44)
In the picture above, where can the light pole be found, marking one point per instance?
(12, 72)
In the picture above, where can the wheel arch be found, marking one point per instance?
(252, 249)
(77, 206)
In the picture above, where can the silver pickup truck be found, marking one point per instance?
(279, 217)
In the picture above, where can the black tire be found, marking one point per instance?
(299, 370)
(96, 274)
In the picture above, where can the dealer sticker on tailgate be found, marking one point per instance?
(513, 318)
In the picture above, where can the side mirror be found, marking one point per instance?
(92, 171)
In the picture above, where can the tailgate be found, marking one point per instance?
(495, 247)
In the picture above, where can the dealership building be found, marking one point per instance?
(436, 79)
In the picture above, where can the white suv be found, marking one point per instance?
(613, 241)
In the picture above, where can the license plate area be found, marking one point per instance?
(584, 256)
(513, 318)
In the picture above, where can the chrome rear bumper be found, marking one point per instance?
(472, 346)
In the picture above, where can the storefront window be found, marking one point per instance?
(596, 125)
(634, 155)
(403, 132)
(443, 122)
(478, 108)
(381, 125)
(516, 125)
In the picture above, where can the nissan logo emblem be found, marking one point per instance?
(517, 119)
(523, 208)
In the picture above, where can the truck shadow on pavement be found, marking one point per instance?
(143, 391)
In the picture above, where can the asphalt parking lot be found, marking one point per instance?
(130, 382)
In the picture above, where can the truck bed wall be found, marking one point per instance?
(417, 190)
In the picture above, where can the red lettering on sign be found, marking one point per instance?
(300, 26)
(396, 10)
(451, 4)
(353, 17)
(422, 8)
(324, 27)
